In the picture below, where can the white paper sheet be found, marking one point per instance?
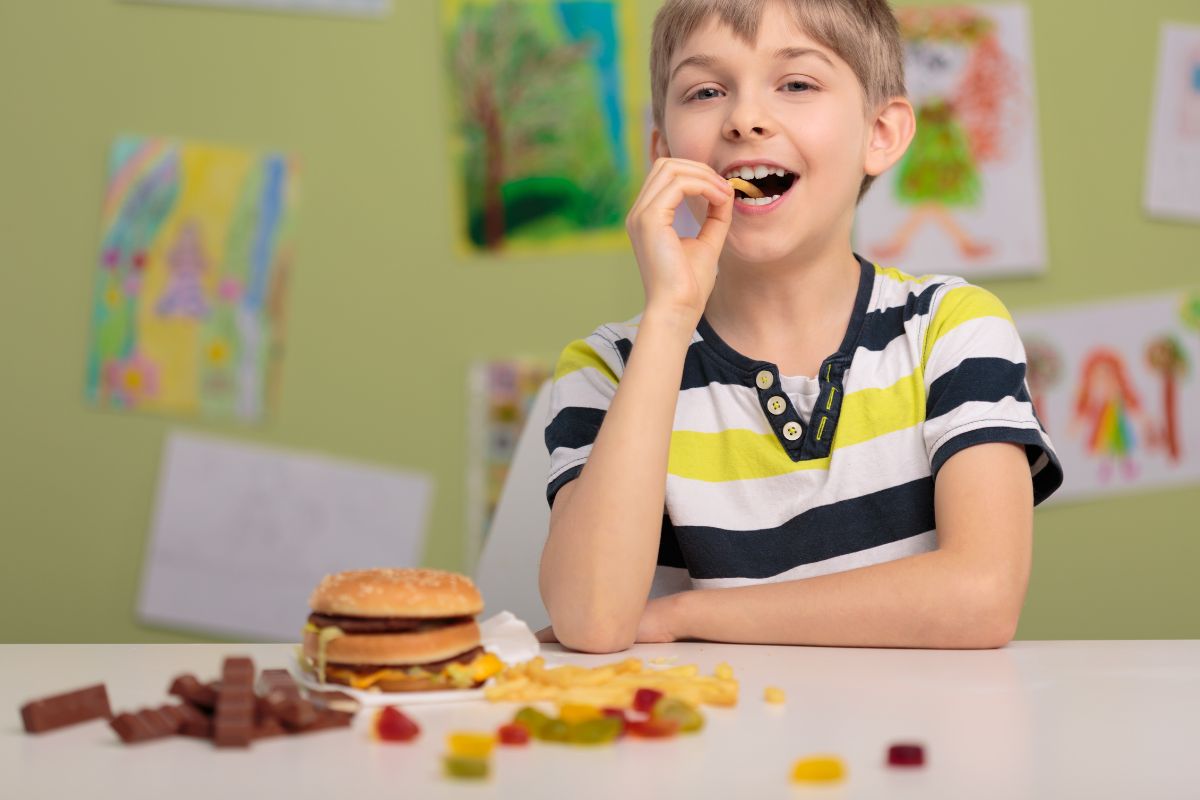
(1117, 386)
(1173, 172)
(242, 533)
(979, 90)
(360, 8)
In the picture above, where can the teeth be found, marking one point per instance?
(758, 201)
(759, 171)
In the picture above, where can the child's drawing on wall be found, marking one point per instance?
(1106, 409)
(966, 196)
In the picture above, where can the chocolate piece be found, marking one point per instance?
(147, 724)
(384, 624)
(69, 708)
(265, 723)
(195, 722)
(233, 725)
(190, 690)
(337, 701)
(327, 719)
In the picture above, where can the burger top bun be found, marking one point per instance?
(407, 592)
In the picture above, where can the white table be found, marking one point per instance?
(1098, 719)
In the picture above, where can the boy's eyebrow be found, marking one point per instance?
(782, 54)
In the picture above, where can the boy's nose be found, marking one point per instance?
(735, 132)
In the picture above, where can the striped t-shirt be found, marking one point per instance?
(757, 492)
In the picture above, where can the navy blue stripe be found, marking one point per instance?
(1045, 482)
(669, 554)
(829, 531)
(561, 481)
(573, 427)
(624, 348)
(987, 380)
(885, 324)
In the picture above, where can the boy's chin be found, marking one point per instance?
(762, 249)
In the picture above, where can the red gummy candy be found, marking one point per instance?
(513, 733)
(905, 755)
(392, 726)
(645, 699)
(653, 728)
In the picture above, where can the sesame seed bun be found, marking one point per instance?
(407, 592)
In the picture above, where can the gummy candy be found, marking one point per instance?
(652, 728)
(572, 713)
(774, 695)
(723, 671)
(619, 715)
(644, 699)
(819, 769)
(470, 745)
(391, 725)
(531, 719)
(513, 733)
(555, 730)
(595, 731)
(671, 708)
(464, 767)
(906, 755)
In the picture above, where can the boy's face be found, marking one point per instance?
(802, 110)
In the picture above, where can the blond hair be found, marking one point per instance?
(863, 33)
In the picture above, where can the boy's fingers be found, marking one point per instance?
(716, 225)
(660, 209)
(667, 171)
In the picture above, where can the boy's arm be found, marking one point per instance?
(966, 594)
(599, 559)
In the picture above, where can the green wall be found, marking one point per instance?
(384, 319)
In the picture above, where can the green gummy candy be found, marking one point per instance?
(595, 731)
(555, 730)
(690, 720)
(464, 767)
(532, 719)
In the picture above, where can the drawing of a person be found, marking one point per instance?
(958, 77)
(1107, 406)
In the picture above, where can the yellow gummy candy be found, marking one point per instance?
(723, 671)
(773, 694)
(471, 745)
(819, 769)
(572, 713)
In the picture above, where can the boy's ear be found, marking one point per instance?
(890, 136)
(658, 145)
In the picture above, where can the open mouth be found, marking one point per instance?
(772, 182)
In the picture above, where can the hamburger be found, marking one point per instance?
(397, 630)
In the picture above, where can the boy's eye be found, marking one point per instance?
(799, 86)
(702, 94)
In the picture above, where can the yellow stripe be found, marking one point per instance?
(740, 454)
(821, 427)
(732, 455)
(580, 355)
(900, 277)
(957, 306)
(829, 402)
(868, 413)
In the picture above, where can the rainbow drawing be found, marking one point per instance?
(196, 247)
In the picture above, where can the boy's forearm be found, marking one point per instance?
(930, 600)
(599, 558)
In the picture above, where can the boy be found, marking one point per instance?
(775, 438)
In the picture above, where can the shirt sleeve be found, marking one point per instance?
(585, 380)
(976, 391)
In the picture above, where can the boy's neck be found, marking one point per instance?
(791, 314)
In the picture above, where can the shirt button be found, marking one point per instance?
(776, 405)
(764, 379)
(791, 431)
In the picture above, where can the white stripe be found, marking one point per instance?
(583, 388)
(563, 458)
(880, 369)
(921, 543)
(720, 407)
(975, 415)
(669, 580)
(986, 337)
(880, 463)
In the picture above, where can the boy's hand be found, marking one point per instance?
(678, 273)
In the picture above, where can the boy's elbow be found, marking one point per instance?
(993, 611)
(595, 641)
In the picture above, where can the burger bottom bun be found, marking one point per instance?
(382, 649)
(405, 684)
